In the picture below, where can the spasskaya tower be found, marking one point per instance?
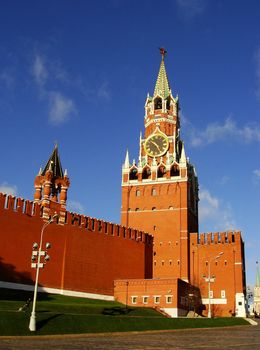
(160, 191)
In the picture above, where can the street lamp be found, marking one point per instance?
(36, 255)
(210, 279)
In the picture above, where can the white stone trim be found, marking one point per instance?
(171, 311)
(252, 322)
(150, 210)
(240, 309)
(71, 293)
(158, 120)
(205, 301)
(132, 299)
(145, 182)
(174, 312)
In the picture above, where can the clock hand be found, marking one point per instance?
(155, 144)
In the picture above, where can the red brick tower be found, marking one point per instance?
(160, 191)
(51, 186)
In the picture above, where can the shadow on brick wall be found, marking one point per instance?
(8, 273)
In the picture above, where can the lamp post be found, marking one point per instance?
(210, 279)
(37, 254)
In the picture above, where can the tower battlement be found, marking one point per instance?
(210, 238)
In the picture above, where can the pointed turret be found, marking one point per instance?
(162, 87)
(140, 151)
(162, 108)
(51, 187)
(54, 164)
(126, 163)
(183, 158)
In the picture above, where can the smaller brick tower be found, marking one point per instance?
(220, 256)
(51, 186)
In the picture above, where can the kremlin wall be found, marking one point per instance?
(87, 254)
(156, 257)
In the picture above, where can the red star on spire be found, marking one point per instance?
(163, 52)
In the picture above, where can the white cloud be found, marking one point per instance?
(257, 173)
(214, 213)
(8, 189)
(215, 132)
(75, 207)
(103, 91)
(190, 8)
(46, 73)
(39, 70)
(61, 108)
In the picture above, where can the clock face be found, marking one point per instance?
(156, 145)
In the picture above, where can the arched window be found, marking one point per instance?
(154, 192)
(158, 103)
(146, 174)
(133, 174)
(138, 193)
(161, 172)
(175, 170)
(168, 103)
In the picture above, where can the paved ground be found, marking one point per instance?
(239, 338)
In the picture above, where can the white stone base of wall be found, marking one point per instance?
(174, 312)
(71, 293)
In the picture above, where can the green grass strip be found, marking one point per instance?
(57, 314)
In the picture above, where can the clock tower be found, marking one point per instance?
(160, 190)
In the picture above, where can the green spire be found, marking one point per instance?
(54, 164)
(257, 282)
(162, 87)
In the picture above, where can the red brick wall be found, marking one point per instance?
(87, 254)
(167, 217)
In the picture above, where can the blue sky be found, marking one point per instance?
(78, 72)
